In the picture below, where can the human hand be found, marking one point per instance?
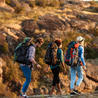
(64, 71)
(38, 66)
(47, 69)
(84, 67)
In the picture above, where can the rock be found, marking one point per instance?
(26, 6)
(1, 79)
(13, 26)
(92, 71)
(2, 37)
(6, 8)
(44, 90)
(51, 24)
(2, 2)
(3, 63)
(95, 41)
(1, 71)
(15, 3)
(12, 42)
(82, 24)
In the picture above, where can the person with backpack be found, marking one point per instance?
(30, 53)
(79, 46)
(55, 67)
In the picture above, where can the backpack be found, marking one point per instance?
(51, 55)
(71, 55)
(20, 54)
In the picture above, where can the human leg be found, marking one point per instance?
(27, 73)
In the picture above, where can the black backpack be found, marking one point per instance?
(51, 55)
(20, 54)
(71, 57)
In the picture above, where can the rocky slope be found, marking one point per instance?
(66, 22)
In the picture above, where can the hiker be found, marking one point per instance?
(56, 68)
(79, 69)
(28, 68)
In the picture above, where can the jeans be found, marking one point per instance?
(73, 70)
(27, 73)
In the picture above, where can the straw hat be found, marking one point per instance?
(80, 39)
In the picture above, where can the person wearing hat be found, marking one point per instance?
(79, 69)
(27, 69)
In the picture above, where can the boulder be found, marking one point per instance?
(15, 3)
(51, 24)
(2, 2)
(95, 41)
(7, 8)
(26, 6)
(2, 63)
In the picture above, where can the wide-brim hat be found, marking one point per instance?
(80, 39)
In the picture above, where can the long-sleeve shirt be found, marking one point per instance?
(81, 54)
(31, 55)
(59, 56)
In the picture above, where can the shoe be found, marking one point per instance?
(24, 96)
(51, 95)
(72, 94)
(62, 92)
(76, 92)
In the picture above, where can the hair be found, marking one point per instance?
(58, 42)
(39, 40)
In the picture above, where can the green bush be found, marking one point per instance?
(94, 32)
(8, 2)
(92, 2)
(32, 4)
(41, 3)
(96, 9)
(90, 53)
(5, 48)
(35, 17)
(54, 3)
(19, 9)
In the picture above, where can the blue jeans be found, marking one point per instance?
(27, 73)
(73, 70)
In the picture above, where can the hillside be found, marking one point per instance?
(49, 19)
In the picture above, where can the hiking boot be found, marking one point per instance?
(62, 92)
(76, 92)
(72, 94)
(24, 96)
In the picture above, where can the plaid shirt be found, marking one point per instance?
(31, 56)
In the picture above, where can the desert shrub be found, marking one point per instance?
(4, 92)
(32, 4)
(96, 9)
(41, 3)
(54, 3)
(8, 2)
(94, 32)
(5, 48)
(10, 71)
(19, 9)
(92, 2)
(35, 17)
(90, 53)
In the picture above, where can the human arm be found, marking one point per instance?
(62, 61)
(32, 56)
(82, 58)
(47, 69)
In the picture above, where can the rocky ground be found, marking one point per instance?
(67, 22)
